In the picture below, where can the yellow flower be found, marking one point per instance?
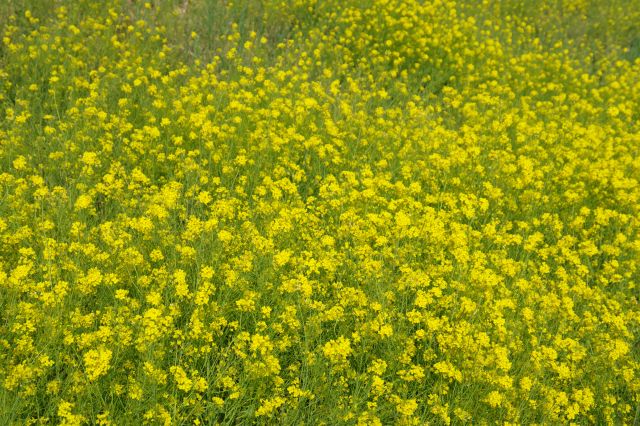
(268, 406)
(96, 362)
(20, 163)
(495, 399)
(183, 382)
(83, 202)
(337, 350)
(406, 407)
(66, 415)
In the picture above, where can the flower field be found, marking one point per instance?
(306, 212)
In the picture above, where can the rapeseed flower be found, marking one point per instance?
(383, 212)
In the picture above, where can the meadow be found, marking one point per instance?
(319, 212)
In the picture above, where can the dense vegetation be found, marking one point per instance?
(319, 212)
